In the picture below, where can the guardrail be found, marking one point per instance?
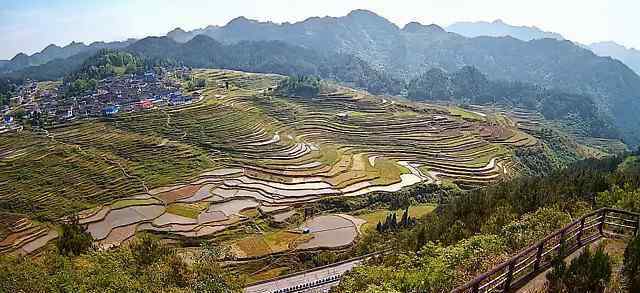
(526, 265)
(362, 257)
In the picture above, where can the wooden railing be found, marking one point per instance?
(526, 265)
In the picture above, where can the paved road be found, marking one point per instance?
(317, 281)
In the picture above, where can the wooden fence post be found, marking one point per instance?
(536, 264)
(507, 282)
(476, 288)
(580, 232)
(561, 243)
(604, 219)
(637, 230)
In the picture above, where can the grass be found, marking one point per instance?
(253, 246)
(466, 114)
(389, 171)
(270, 242)
(187, 210)
(372, 218)
(132, 202)
(269, 274)
(251, 213)
(329, 155)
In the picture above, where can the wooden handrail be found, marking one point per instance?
(577, 229)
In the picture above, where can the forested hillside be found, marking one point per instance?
(104, 64)
(469, 85)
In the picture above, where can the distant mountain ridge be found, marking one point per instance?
(629, 56)
(499, 28)
(53, 52)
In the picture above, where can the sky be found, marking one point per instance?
(30, 25)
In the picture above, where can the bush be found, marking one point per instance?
(627, 198)
(589, 272)
(631, 265)
(534, 226)
(147, 250)
(74, 238)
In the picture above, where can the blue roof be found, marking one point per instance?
(111, 109)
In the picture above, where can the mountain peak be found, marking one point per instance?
(19, 56)
(75, 44)
(362, 13)
(240, 20)
(416, 27)
(177, 31)
(50, 47)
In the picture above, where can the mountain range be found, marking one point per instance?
(52, 52)
(499, 28)
(404, 54)
(629, 56)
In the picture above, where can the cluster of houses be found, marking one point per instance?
(113, 95)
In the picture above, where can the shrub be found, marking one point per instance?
(589, 272)
(631, 265)
(627, 198)
(74, 238)
(147, 250)
(534, 226)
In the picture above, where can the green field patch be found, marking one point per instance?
(388, 171)
(187, 210)
(329, 155)
(372, 218)
(250, 213)
(466, 114)
(133, 202)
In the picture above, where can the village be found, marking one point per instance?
(46, 104)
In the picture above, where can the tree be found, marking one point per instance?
(404, 221)
(631, 265)
(147, 250)
(74, 239)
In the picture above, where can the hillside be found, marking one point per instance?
(245, 147)
(470, 86)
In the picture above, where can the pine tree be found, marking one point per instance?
(404, 222)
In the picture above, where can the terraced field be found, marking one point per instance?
(195, 170)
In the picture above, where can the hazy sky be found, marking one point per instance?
(30, 25)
